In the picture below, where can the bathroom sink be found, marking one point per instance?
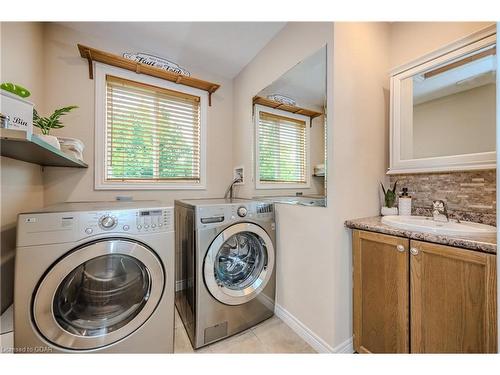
(428, 225)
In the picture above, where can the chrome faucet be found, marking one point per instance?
(439, 210)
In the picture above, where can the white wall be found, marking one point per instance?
(68, 83)
(410, 40)
(461, 123)
(21, 183)
(314, 249)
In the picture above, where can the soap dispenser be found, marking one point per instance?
(404, 203)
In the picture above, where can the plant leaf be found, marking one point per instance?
(383, 189)
(53, 122)
(62, 111)
(394, 187)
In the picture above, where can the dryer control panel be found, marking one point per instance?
(57, 227)
(154, 220)
(128, 221)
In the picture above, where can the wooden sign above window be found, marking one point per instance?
(92, 54)
(158, 62)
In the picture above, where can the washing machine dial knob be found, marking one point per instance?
(242, 211)
(107, 222)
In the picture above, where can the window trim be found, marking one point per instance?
(281, 185)
(100, 183)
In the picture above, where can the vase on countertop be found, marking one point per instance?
(386, 211)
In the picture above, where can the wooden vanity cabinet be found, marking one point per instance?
(453, 300)
(419, 297)
(381, 276)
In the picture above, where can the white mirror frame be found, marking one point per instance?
(483, 160)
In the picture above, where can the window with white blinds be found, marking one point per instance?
(152, 133)
(282, 149)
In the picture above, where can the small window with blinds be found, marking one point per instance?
(152, 136)
(282, 149)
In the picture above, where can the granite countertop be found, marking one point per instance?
(486, 244)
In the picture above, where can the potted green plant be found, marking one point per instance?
(389, 200)
(46, 124)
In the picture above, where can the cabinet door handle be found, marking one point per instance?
(414, 251)
(400, 248)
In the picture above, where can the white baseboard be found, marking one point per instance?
(345, 347)
(309, 336)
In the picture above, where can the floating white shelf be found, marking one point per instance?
(16, 145)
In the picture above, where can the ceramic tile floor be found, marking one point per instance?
(270, 336)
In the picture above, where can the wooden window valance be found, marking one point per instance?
(92, 54)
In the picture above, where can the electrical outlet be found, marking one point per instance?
(238, 172)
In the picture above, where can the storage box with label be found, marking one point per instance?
(18, 112)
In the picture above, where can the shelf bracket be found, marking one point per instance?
(88, 55)
(210, 92)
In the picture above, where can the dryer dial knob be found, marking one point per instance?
(242, 211)
(107, 222)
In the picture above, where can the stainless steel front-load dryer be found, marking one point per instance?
(95, 277)
(225, 266)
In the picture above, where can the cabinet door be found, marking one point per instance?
(380, 293)
(453, 300)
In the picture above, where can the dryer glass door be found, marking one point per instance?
(98, 294)
(239, 263)
(102, 295)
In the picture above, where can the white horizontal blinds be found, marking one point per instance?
(152, 134)
(282, 149)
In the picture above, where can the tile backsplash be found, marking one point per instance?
(470, 195)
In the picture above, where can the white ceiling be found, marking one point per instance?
(305, 82)
(222, 48)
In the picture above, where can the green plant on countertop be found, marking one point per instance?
(389, 195)
(46, 124)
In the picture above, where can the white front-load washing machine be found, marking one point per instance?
(225, 266)
(95, 277)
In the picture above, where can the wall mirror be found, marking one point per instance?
(290, 133)
(443, 109)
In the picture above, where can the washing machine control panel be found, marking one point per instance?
(153, 220)
(127, 221)
(212, 216)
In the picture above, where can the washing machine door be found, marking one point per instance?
(98, 294)
(239, 263)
